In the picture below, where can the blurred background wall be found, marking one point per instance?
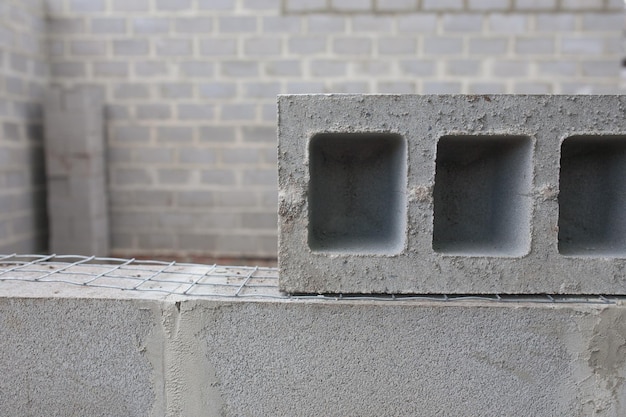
(190, 89)
(24, 76)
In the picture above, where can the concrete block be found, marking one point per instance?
(143, 25)
(352, 46)
(452, 194)
(65, 25)
(266, 46)
(68, 69)
(489, 5)
(174, 134)
(195, 155)
(396, 5)
(397, 46)
(88, 48)
(197, 69)
(142, 353)
(536, 4)
(305, 5)
(261, 89)
(325, 23)
(352, 5)
(262, 4)
(238, 111)
(173, 5)
(131, 47)
(559, 22)
(282, 24)
(176, 90)
(283, 68)
(372, 23)
(217, 134)
(462, 22)
(153, 111)
(108, 25)
(587, 46)
(488, 46)
(168, 176)
(130, 134)
(195, 111)
(87, 6)
(150, 68)
(452, 5)
(240, 68)
(193, 25)
(418, 22)
(237, 24)
(131, 5)
(418, 67)
(443, 45)
(117, 69)
(215, 5)
(173, 47)
(306, 44)
(508, 23)
(218, 177)
(218, 47)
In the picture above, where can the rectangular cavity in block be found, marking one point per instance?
(592, 197)
(357, 193)
(481, 196)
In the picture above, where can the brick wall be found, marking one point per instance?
(190, 88)
(23, 76)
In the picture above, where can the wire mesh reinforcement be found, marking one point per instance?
(197, 280)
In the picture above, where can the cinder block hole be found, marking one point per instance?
(592, 196)
(357, 193)
(482, 203)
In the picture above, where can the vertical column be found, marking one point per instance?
(75, 171)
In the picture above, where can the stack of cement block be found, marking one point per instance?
(76, 174)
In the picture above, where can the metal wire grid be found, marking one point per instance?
(140, 275)
(207, 280)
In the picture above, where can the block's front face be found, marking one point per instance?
(357, 193)
(481, 196)
(452, 194)
(592, 210)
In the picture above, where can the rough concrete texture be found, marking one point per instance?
(452, 194)
(84, 351)
(76, 171)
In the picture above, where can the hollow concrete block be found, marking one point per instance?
(452, 194)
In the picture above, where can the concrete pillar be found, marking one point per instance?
(76, 171)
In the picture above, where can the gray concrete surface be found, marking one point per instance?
(78, 209)
(69, 350)
(473, 204)
(24, 72)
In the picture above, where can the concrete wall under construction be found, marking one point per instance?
(69, 350)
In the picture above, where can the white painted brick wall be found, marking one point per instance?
(23, 76)
(190, 88)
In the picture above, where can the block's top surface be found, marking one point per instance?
(519, 194)
(87, 277)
